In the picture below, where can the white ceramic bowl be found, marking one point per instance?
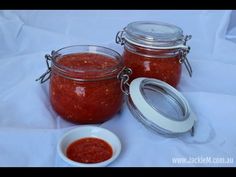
(89, 131)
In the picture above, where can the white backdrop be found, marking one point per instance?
(29, 129)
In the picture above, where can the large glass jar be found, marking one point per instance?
(155, 50)
(87, 84)
(84, 87)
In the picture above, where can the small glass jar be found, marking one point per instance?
(154, 50)
(84, 87)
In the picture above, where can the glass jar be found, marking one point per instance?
(87, 84)
(84, 87)
(155, 50)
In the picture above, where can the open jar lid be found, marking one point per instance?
(160, 107)
(153, 34)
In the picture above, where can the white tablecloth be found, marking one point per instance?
(30, 129)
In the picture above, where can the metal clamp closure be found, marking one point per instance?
(183, 59)
(45, 76)
(120, 38)
(183, 55)
(123, 76)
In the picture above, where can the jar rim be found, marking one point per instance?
(92, 49)
(158, 116)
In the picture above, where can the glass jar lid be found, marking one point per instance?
(160, 107)
(153, 34)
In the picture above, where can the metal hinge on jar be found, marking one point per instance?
(120, 38)
(183, 54)
(123, 76)
(45, 76)
(183, 59)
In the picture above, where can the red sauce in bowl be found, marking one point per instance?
(90, 101)
(89, 150)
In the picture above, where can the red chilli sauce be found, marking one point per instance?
(89, 150)
(95, 98)
(165, 68)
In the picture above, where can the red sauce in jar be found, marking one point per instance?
(90, 101)
(89, 150)
(167, 69)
